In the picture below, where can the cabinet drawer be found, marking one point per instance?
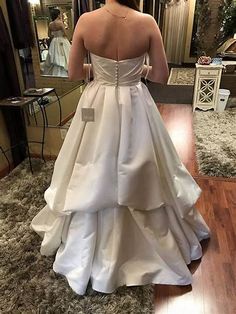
(209, 72)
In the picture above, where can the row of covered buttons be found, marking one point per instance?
(116, 74)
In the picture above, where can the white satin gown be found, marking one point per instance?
(120, 204)
(56, 63)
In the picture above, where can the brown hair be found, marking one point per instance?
(54, 13)
(133, 4)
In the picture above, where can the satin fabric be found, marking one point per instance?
(120, 204)
(56, 63)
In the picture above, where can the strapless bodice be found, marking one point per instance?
(119, 73)
(56, 34)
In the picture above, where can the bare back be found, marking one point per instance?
(115, 37)
(56, 25)
(118, 34)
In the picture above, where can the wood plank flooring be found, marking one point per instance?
(214, 277)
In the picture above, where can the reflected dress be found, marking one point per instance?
(56, 63)
(120, 206)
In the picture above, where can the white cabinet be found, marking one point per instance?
(206, 86)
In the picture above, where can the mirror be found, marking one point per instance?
(54, 33)
(47, 76)
(50, 68)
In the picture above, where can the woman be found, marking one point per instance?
(120, 205)
(56, 63)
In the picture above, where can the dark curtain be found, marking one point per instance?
(148, 6)
(79, 7)
(160, 14)
(76, 11)
(20, 22)
(9, 86)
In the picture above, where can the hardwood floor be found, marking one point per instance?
(178, 121)
(214, 277)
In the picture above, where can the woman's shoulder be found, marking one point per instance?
(55, 23)
(146, 18)
(147, 21)
(89, 18)
(90, 14)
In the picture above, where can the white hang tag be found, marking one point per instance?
(88, 114)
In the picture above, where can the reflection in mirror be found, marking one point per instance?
(56, 63)
(53, 25)
(54, 34)
(41, 27)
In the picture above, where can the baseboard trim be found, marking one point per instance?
(5, 171)
(46, 157)
(68, 118)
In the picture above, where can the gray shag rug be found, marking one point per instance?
(215, 139)
(28, 283)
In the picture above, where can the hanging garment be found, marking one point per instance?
(20, 22)
(76, 11)
(120, 204)
(9, 86)
(174, 30)
(79, 7)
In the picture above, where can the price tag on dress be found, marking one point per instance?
(87, 114)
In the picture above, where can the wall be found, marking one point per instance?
(68, 102)
(53, 142)
(53, 139)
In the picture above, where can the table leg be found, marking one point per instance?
(27, 115)
(59, 104)
(8, 162)
(45, 114)
(32, 110)
(44, 128)
(26, 138)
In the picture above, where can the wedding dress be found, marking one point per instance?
(56, 63)
(120, 204)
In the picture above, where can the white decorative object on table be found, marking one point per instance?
(206, 86)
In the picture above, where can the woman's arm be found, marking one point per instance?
(158, 70)
(49, 31)
(62, 28)
(77, 70)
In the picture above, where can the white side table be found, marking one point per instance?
(206, 86)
